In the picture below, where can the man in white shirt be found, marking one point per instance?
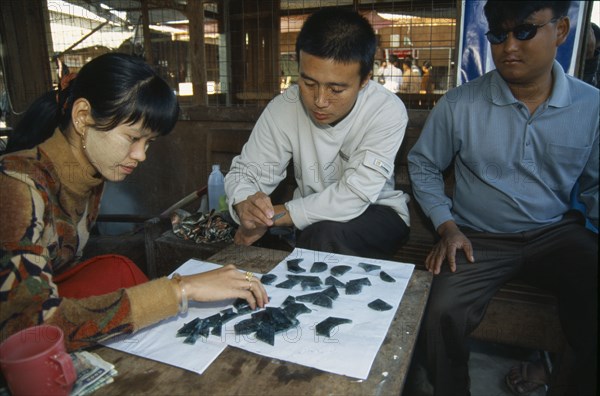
(342, 131)
(392, 75)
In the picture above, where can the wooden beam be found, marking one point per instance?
(167, 4)
(76, 43)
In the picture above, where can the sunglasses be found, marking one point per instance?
(523, 32)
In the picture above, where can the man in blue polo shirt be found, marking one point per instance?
(519, 137)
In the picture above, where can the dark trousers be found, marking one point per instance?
(562, 258)
(377, 233)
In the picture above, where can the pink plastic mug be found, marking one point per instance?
(34, 361)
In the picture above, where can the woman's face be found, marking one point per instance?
(116, 153)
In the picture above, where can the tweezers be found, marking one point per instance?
(278, 216)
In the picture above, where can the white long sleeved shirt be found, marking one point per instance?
(340, 170)
(393, 78)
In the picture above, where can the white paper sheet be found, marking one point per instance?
(350, 351)
(158, 342)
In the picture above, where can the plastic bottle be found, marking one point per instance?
(216, 187)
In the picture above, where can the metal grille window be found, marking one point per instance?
(242, 52)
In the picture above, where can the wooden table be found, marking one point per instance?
(240, 372)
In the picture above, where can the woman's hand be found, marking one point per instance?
(225, 283)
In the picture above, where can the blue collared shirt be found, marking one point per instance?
(514, 170)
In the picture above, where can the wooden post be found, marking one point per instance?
(197, 55)
(26, 59)
(146, 33)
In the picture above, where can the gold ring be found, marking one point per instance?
(249, 276)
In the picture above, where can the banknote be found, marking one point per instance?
(92, 372)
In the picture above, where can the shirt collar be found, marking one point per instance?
(559, 97)
(561, 94)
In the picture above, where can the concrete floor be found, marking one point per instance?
(488, 365)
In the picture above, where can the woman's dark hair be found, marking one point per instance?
(339, 34)
(121, 89)
(498, 12)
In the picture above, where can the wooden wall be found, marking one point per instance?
(25, 53)
(176, 165)
(179, 163)
(254, 37)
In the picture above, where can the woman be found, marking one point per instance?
(426, 82)
(96, 128)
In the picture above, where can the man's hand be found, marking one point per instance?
(255, 211)
(245, 236)
(255, 215)
(452, 240)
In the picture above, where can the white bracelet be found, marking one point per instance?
(183, 305)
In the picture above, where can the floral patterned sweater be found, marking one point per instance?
(48, 203)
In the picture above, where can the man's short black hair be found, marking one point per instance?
(498, 12)
(341, 35)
